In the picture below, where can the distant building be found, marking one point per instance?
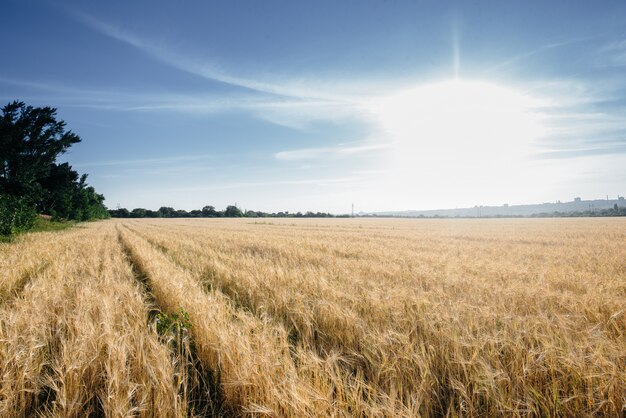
(577, 199)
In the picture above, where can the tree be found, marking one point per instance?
(209, 211)
(122, 213)
(31, 139)
(138, 213)
(233, 212)
(166, 212)
(181, 213)
(66, 195)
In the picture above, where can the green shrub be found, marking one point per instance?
(16, 214)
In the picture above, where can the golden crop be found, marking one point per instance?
(304, 318)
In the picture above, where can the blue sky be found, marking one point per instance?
(389, 105)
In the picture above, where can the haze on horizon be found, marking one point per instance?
(314, 106)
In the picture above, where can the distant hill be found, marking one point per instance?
(588, 207)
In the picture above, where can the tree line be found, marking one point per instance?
(210, 212)
(31, 180)
(597, 213)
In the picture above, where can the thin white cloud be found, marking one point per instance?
(537, 51)
(580, 116)
(297, 104)
(339, 151)
(148, 161)
(369, 172)
(285, 111)
(70, 94)
(136, 101)
(207, 70)
(614, 46)
(237, 185)
(613, 54)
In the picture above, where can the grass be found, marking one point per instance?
(40, 225)
(334, 317)
(46, 225)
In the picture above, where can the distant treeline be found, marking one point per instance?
(596, 213)
(210, 212)
(31, 181)
(235, 212)
(614, 211)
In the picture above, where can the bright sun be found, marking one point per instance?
(459, 130)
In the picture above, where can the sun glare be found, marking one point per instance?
(460, 131)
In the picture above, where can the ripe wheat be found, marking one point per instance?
(339, 317)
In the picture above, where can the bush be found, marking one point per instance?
(16, 214)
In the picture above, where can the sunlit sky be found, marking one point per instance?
(390, 105)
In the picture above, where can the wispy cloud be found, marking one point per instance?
(69, 95)
(619, 45)
(582, 152)
(298, 103)
(342, 150)
(134, 100)
(149, 161)
(580, 116)
(295, 113)
(613, 54)
(164, 169)
(321, 182)
(537, 51)
(583, 133)
(208, 70)
(291, 102)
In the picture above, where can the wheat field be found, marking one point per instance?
(316, 318)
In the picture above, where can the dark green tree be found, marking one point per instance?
(31, 139)
(59, 188)
(121, 213)
(209, 211)
(181, 213)
(232, 212)
(138, 213)
(166, 212)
